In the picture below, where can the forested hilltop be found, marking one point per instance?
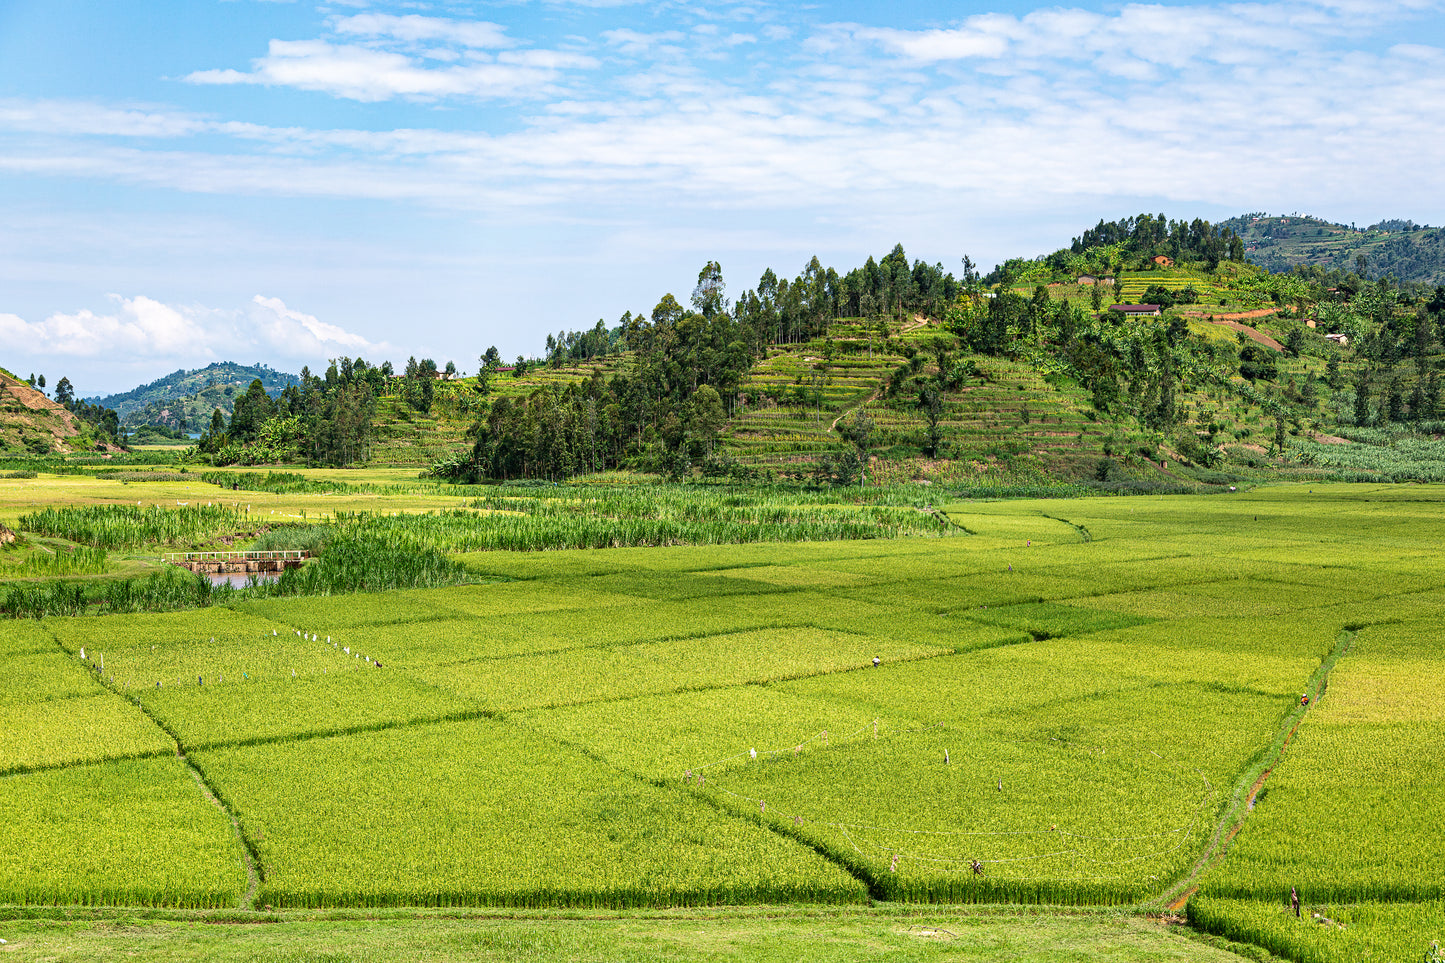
(1035, 368)
(1147, 351)
(184, 400)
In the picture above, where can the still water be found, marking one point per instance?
(238, 579)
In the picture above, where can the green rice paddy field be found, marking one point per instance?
(1073, 703)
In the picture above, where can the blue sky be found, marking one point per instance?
(185, 181)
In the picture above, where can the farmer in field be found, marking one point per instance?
(1294, 901)
(1304, 699)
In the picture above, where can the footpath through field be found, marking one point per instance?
(1251, 781)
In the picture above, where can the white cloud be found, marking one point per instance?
(377, 57)
(302, 335)
(143, 329)
(414, 28)
(368, 75)
(78, 117)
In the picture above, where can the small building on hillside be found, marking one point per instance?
(1163, 260)
(1136, 310)
(1084, 280)
(1343, 340)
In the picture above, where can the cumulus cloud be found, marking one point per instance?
(143, 329)
(377, 57)
(368, 75)
(302, 335)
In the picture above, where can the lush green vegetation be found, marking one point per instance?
(1071, 705)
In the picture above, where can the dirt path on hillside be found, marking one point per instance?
(1232, 315)
(1249, 332)
(873, 396)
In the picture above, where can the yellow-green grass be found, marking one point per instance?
(480, 813)
(1146, 669)
(1325, 931)
(137, 832)
(1325, 815)
(766, 935)
(623, 671)
(48, 733)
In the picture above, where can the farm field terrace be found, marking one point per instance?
(1073, 704)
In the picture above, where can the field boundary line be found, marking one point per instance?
(686, 796)
(251, 857)
(1084, 533)
(1251, 781)
(466, 715)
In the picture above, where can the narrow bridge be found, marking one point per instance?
(219, 562)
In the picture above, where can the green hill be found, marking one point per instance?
(185, 399)
(32, 424)
(1408, 251)
(902, 371)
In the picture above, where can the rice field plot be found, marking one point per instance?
(130, 833)
(243, 713)
(64, 732)
(502, 598)
(324, 613)
(1241, 597)
(1016, 530)
(483, 813)
(24, 637)
(1047, 620)
(1304, 638)
(557, 630)
(625, 671)
(680, 586)
(1350, 813)
(669, 612)
(492, 637)
(794, 576)
(1342, 933)
(1063, 829)
(901, 774)
(241, 648)
(99, 633)
(42, 676)
(957, 595)
(904, 625)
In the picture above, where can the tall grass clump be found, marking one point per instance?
(582, 517)
(349, 563)
(130, 526)
(293, 538)
(355, 562)
(82, 561)
(274, 482)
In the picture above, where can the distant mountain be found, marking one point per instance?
(1409, 251)
(185, 399)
